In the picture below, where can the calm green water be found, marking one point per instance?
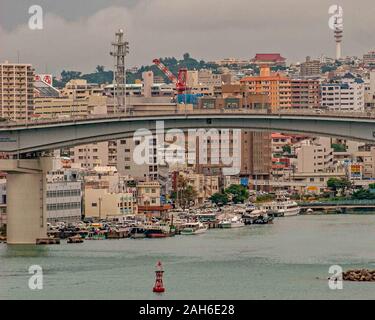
(286, 260)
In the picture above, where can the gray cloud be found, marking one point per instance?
(77, 34)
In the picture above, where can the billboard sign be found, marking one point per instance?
(46, 78)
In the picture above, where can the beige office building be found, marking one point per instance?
(90, 156)
(310, 68)
(59, 107)
(16, 91)
(101, 204)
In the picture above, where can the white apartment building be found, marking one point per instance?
(347, 95)
(126, 164)
(63, 197)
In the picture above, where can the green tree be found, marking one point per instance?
(238, 193)
(287, 149)
(265, 197)
(185, 194)
(219, 198)
(363, 194)
(99, 69)
(337, 147)
(337, 184)
(66, 76)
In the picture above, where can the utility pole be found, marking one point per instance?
(100, 208)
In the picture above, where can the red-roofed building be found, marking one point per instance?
(271, 59)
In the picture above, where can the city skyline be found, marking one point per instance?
(164, 28)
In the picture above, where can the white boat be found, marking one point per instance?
(225, 224)
(193, 228)
(236, 222)
(250, 207)
(282, 207)
(256, 213)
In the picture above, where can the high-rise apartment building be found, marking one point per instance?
(305, 93)
(256, 155)
(16, 91)
(275, 85)
(346, 94)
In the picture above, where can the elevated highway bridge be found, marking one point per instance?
(26, 183)
(43, 135)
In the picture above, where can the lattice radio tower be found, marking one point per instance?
(120, 48)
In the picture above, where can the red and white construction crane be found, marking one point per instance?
(180, 81)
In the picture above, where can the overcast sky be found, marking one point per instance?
(77, 33)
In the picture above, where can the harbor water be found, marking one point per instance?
(285, 260)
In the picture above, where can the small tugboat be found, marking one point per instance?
(75, 239)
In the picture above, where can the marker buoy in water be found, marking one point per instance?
(159, 287)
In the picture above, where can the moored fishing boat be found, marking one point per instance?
(193, 228)
(225, 224)
(236, 222)
(137, 233)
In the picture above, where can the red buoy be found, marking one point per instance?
(159, 287)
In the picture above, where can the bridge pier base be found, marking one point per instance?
(26, 205)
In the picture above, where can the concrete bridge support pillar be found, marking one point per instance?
(26, 205)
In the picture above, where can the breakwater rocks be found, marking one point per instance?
(359, 275)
